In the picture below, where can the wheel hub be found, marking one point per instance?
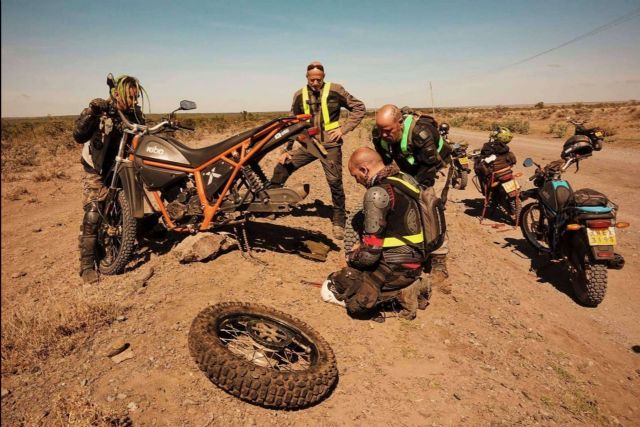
(268, 334)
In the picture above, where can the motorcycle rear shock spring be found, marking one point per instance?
(255, 182)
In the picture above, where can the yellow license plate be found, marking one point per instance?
(602, 236)
(463, 161)
(510, 186)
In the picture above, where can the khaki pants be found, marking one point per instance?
(93, 188)
(332, 170)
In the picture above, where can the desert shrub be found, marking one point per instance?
(16, 193)
(513, 124)
(501, 109)
(558, 130)
(539, 105)
(458, 121)
(544, 114)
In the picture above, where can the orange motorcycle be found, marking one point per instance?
(193, 189)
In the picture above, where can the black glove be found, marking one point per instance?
(98, 106)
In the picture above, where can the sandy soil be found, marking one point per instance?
(508, 346)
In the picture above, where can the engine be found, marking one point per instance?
(183, 203)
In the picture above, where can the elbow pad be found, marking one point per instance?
(376, 206)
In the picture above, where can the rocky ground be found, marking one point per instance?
(507, 346)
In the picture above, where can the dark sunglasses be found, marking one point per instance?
(312, 66)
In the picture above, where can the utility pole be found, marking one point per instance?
(433, 108)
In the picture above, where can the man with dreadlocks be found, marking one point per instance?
(100, 130)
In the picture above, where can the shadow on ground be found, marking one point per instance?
(317, 208)
(280, 238)
(554, 273)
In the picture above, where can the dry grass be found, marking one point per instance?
(49, 175)
(16, 194)
(51, 327)
(72, 409)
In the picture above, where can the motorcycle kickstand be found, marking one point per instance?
(245, 246)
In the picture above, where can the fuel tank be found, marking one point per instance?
(154, 148)
(158, 150)
(555, 194)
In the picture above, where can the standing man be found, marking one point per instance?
(415, 145)
(323, 100)
(99, 129)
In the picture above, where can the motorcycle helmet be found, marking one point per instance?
(576, 146)
(443, 128)
(501, 135)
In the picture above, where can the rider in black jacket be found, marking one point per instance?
(99, 128)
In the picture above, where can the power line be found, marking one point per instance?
(611, 24)
(604, 27)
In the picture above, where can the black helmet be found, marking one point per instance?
(443, 128)
(576, 146)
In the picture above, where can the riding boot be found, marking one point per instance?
(408, 300)
(338, 220)
(87, 243)
(424, 292)
(87, 259)
(439, 272)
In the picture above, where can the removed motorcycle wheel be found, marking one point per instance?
(116, 237)
(263, 356)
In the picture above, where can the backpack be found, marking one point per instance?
(420, 115)
(431, 208)
(589, 197)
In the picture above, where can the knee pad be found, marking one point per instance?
(91, 219)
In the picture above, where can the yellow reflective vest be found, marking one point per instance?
(328, 124)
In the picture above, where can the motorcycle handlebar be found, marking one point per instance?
(136, 128)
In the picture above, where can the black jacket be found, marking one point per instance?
(422, 144)
(104, 143)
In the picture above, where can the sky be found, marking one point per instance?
(230, 56)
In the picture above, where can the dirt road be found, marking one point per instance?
(507, 346)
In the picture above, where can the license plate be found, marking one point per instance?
(463, 161)
(602, 236)
(510, 186)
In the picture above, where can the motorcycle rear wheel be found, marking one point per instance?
(263, 356)
(588, 279)
(460, 180)
(116, 237)
(533, 230)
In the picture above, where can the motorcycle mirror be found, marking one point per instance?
(528, 162)
(187, 105)
(111, 81)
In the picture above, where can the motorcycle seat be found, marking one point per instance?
(198, 156)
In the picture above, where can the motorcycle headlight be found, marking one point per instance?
(599, 134)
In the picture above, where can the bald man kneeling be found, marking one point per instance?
(381, 267)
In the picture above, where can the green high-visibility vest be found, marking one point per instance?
(404, 143)
(392, 242)
(328, 124)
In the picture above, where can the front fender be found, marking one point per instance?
(132, 188)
